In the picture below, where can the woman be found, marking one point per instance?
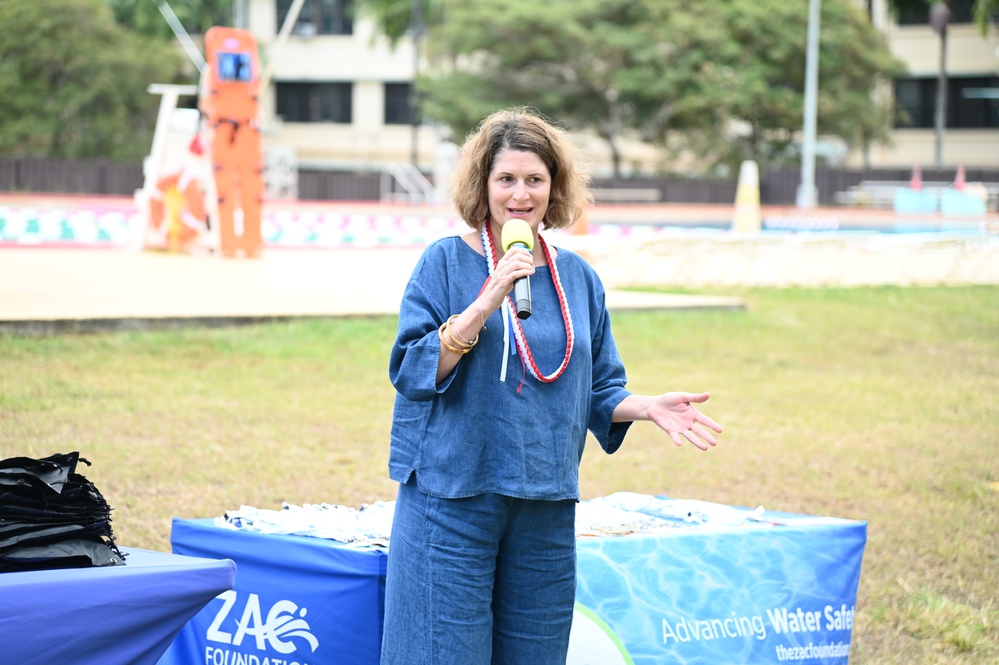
(491, 413)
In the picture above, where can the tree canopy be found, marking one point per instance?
(739, 71)
(80, 81)
(723, 78)
(196, 16)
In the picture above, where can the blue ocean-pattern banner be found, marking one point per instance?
(773, 595)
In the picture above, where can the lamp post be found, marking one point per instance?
(807, 195)
(939, 17)
(416, 28)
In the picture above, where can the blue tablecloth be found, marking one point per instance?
(296, 600)
(751, 594)
(726, 595)
(108, 615)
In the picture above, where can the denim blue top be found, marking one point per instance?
(473, 435)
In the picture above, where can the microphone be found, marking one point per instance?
(517, 233)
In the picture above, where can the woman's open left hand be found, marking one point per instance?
(675, 414)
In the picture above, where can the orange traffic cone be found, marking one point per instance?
(916, 182)
(959, 178)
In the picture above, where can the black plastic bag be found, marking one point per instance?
(53, 517)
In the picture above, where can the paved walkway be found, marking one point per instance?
(62, 290)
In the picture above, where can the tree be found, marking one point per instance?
(75, 82)
(144, 16)
(577, 62)
(738, 74)
(983, 11)
(395, 17)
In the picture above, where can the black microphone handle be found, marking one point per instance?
(522, 291)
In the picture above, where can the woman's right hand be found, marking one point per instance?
(515, 263)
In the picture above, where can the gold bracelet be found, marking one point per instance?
(440, 335)
(459, 340)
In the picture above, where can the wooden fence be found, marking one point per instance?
(777, 186)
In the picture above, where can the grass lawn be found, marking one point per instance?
(877, 404)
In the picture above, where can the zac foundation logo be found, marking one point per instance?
(283, 629)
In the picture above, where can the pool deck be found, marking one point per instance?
(64, 287)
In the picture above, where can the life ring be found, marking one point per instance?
(177, 211)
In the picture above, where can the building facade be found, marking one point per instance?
(336, 92)
(971, 63)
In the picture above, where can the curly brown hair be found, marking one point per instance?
(521, 129)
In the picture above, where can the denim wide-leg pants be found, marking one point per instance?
(484, 580)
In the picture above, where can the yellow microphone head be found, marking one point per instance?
(517, 230)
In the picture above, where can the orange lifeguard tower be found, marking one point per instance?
(229, 103)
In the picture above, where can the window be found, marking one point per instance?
(314, 102)
(915, 101)
(972, 102)
(320, 17)
(397, 104)
(961, 11)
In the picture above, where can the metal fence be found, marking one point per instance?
(338, 185)
(777, 186)
(780, 186)
(664, 190)
(28, 174)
